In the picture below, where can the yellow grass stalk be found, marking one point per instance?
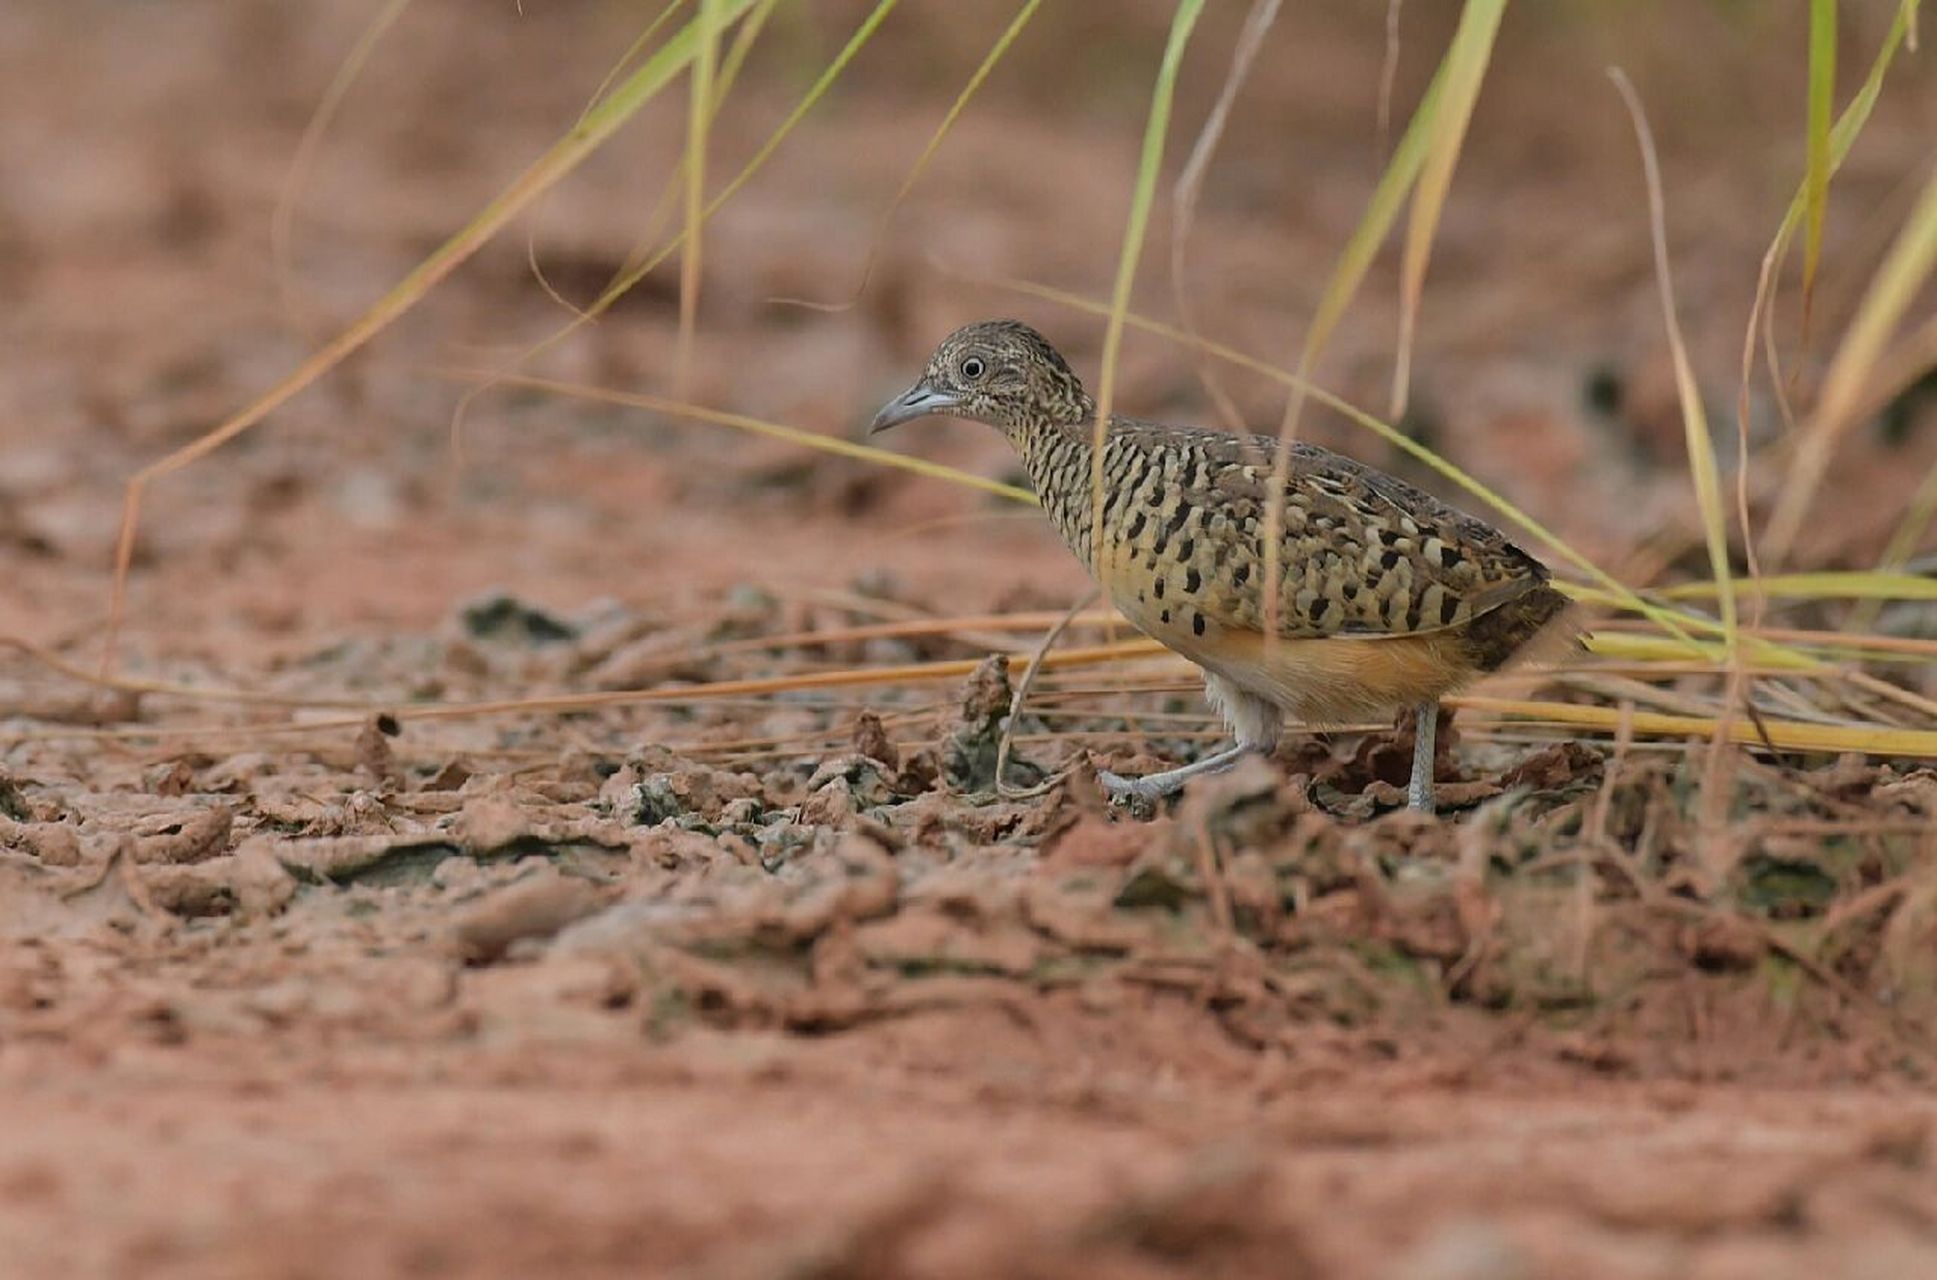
(553, 704)
(1784, 735)
(1854, 585)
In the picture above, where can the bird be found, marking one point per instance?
(1387, 598)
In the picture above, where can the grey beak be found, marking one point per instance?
(917, 401)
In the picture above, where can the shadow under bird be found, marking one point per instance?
(1388, 599)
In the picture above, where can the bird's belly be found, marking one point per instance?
(1319, 681)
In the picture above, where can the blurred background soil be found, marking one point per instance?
(739, 988)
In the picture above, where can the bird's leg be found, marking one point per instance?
(1157, 785)
(1419, 792)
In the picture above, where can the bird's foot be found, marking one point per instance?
(1154, 787)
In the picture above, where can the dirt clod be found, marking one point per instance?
(536, 907)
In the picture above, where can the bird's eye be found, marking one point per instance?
(973, 368)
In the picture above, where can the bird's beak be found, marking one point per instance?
(917, 401)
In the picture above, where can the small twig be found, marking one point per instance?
(1002, 787)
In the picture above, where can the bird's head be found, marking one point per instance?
(1000, 372)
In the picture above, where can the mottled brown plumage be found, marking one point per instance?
(1387, 598)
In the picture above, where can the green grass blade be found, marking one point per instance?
(1841, 139)
(1822, 93)
(1465, 68)
(744, 38)
(699, 116)
(1904, 271)
(641, 264)
(1354, 261)
(1700, 444)
(1150, 161)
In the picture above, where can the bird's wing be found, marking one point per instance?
(1362, 553)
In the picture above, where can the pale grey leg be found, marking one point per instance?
(1419, 793)
(1157, 785)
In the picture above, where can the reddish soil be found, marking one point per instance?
(774, 986)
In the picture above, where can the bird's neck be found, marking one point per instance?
(1042, 432)
(1049, 445)
(1058, 453)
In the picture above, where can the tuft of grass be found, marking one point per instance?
(1902, 274)
(1762, 310)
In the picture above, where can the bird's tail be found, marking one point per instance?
(1537, 626)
